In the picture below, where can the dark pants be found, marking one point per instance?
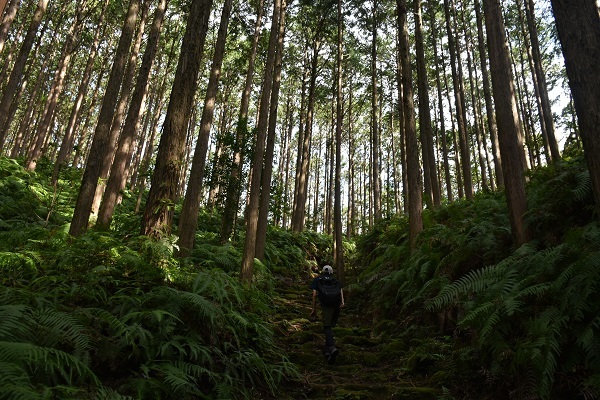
(330, 317)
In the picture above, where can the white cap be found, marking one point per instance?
(327, 269)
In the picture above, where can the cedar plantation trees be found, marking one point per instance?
(304, 114)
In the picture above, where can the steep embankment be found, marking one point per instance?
(368, 367)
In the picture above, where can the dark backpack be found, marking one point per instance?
(330, 291)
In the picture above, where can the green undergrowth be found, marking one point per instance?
(483, 317)
(116, 315)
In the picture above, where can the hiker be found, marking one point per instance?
(331, 298)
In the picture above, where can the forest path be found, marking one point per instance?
(367, 367)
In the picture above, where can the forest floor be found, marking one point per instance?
(368, 366)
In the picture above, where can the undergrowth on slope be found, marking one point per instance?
(515, 323)
(115, 315)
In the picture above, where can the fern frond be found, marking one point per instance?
(54, 362)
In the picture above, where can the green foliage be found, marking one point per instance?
(114, 315)
(525, 320)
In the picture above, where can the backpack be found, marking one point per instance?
(330, 291)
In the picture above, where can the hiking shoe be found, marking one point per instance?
(333, 355)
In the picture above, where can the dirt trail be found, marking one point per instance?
(368, 367)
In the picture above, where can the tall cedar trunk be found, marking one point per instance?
(298, 218)
(508, 120)
(191, 203)
(234, 182)
(489, 106)
(265, 198)
(158, 214)
(19, 66)
(415, 206)
(285, 165)
(459, 104)
(9, 17)
(338, 247)
(20, 138)
(68, 138)
(375, 177)
(115, 128)
(578, 26)
(259, 152)
(351, 224)
(443, 134)
(301, 143)
(118, 173)
(541, 88)
(432, 189)
(475, 106)
(56, 89)
(402, 141)
(99, 151)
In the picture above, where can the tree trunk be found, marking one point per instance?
(259, 152)
(302, 192)
(18, 68)
(475, 105)
(375, 177)
(415, 207)
(540, 82)
(56, 89)
(115, 128)
(338, 247)
(301, 144)
(9, 17)
(191, 203)
(443, 134)
(158, 214)
(265, 197)
(489, 106)
(68, 139)
(118, 174)
(578, 26)
(508, 120)
(234, 183)
(432, 189)
(99, 151)
(455, 60)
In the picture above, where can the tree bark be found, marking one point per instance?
(540, 84)
(158, 214)
(259, 152)
(415, 201)
(191, 203)
(99, 151)
(234, 183)
(375, 147)
(56, 89)
(508, 120)
(68, 139)
(9, 17)
(487, 94)
(338, 246)
(578, 26)
(265, 196)
(442, 134)
(432, 189)
(298, 218)
(455, 60)
(120, 111)
(15, 76)
(118, 173)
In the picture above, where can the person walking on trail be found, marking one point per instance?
(331, 297)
